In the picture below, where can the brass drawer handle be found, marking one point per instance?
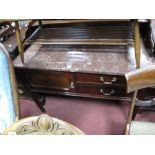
(20, 91)
(108, 82)
(107, 94)
(72, 85)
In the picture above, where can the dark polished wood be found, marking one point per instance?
(6, 30)
(104, 33)
(22, 82)
(67, 83)
(67, 59)
(147, 33)
(10, 42)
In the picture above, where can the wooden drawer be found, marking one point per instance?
(49, 80)
(22, 91)
(68, 83)
(100, 79)
(103, 91)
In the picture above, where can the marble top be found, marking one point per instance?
(105, 59)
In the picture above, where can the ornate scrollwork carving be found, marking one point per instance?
(45, 125)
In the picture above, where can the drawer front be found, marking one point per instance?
(22, 91)
(103, 91)
(100, 79)
(56, 80)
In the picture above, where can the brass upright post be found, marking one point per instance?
(137, 43)
(130, 113)
(137, 56)
(40, 23)
(19, 42)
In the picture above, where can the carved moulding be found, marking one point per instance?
(42, 125)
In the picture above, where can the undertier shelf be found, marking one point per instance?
(104, 34)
